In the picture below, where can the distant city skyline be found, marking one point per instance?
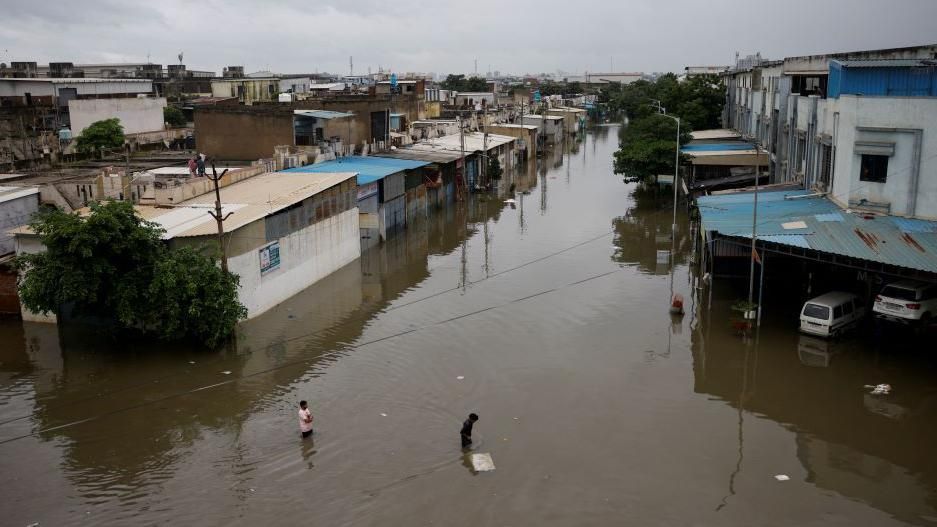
(408, 36)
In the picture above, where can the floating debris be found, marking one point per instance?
(383, 415)
(460, 377)
(226, 372)
(782, 477)
(482, 462)
(879, 389)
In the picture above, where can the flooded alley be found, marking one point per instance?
(548, 317)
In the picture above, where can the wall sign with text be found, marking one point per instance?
(269, 258)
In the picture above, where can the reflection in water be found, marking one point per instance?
(554, 324)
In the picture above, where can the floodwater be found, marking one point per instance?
(549, 319)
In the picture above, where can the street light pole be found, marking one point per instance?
(751, 273)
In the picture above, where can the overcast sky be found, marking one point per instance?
(516, 36)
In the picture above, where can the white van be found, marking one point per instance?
(831, 314)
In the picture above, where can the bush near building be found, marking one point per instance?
(114, 265)
(106, 134)
(173, 116)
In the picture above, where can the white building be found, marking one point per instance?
(136, 115)
(549, 127)
(286, 232)
(17, 205)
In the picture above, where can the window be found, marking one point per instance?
(816, 311)
(837, 312)
(847, 308)
(874, 168)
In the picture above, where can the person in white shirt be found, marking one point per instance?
(305, 420)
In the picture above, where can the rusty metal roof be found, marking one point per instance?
(819, 224)
(248, 200)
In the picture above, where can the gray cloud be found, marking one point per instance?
(408, 35)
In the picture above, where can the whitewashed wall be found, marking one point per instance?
(136, 115)
(306, 256)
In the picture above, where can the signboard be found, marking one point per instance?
(269, 258)
(368, 221)
(393, 80)
(368, 190)
(537, 96)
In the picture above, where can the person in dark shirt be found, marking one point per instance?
(467, 430)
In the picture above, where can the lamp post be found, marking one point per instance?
(676, 166)
(676, 301)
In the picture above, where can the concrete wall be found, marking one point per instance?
(242, 134)
(894, 120)
(14, 213)
(306, 256)
(136, 115)
(251, 90)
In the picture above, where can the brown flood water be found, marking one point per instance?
(549, 319)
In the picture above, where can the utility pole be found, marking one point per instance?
(751, 273)
(462, 143)
(485, 145)
(219, 218)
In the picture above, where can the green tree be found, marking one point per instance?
(114, 265)
(647, 147)
(173, 116)
(460, 83)
(101, 134)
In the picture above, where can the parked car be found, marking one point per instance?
(906, 302)
(831, 314)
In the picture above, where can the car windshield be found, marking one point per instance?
(898, 292)
(817, 311)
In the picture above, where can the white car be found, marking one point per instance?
(831, 314)
(907, 302)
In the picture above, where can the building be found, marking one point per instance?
(389, 192)
(43, 109)
(595, 79)
(347, 121)
(698, 71)
(475, 100)
(17, 206)
(248, 90)
(574, 119)
(526, 135)
(777, 103)
(549, 127)
(286, 231)
(254, 132)
(721, 159)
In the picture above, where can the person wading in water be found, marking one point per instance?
(466, 432)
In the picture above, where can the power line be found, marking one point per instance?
(302, 361)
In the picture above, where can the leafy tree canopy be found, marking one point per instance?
(108, 134)
(114, 265)
(698, 100)
(173, 116)
(647, 146)
(494, 168)
(460, 83)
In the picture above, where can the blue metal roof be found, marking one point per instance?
(894, 78)
(890, 240)
(715, 147)
(369, 168)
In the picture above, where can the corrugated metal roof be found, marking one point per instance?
(249, 200)
(423, 152)
(887, 63)
(322, 114)
(884, 239)
(713, 147)
(368, 168)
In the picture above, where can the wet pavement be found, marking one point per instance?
(549, 319)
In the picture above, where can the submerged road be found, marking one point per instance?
(548, 317)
